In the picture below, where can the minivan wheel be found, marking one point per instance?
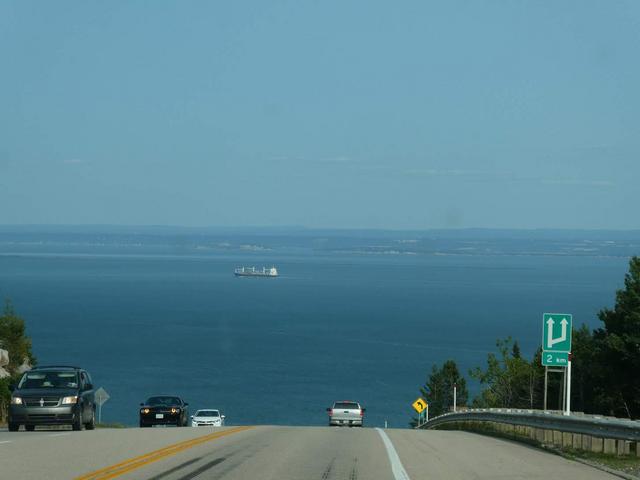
(77, 422)
(92, 423)
(14, 427)
(29, 428)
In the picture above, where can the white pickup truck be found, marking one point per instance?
(346, 413)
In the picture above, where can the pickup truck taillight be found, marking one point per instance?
(361, 413)
(330, 410)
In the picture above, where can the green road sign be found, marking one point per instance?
(556, 332)
(555, 359)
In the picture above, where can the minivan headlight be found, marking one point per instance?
(16, 401)
(70, 400)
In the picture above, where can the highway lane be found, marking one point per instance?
(282, 453)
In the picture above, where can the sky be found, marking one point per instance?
(324, 114)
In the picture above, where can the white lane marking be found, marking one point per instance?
(399, 473)
(6, 441)
(59, 434)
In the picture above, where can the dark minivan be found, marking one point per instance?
(53, 395)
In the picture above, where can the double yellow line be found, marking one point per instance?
(137, 462)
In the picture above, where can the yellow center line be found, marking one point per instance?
(134, 463)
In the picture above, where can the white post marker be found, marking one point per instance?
(399, 473)
(568, 390)
(455, 391)
(427, 412)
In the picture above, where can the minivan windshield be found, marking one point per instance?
(49, 379)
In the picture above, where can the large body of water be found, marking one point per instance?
(278, 351)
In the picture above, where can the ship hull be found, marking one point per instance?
(247, 274)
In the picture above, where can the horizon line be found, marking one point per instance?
(309, 228)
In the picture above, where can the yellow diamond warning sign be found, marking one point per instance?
(419, 405)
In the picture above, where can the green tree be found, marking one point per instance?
(515, 351)
(618, 348)
(438, 390)
(13, 338)
(510, 380)
(585, 370)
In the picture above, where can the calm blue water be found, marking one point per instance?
(279, 351)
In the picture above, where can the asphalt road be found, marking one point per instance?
(282, 453)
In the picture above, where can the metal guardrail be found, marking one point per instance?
(596, 426)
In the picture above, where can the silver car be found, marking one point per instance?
(208, 417)
(346, 412)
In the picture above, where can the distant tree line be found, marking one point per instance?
(605, 367)
(13, 339)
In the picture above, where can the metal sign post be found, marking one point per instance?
(546, 376)
(568, 389)
(455, 391)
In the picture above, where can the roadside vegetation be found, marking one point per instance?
(111, 425)
(605, 366)
(14, 340)
(629, 465)
(439, 388)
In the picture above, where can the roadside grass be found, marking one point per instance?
(111, 425)
(628, 464)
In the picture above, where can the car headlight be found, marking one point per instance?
(144, 410)
(16, 401)
(70, 400)
(175, 410)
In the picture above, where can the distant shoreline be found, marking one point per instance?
(306, 231)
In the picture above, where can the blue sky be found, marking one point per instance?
(403, 115)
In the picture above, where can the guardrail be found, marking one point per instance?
(593, 425)
(582, 432)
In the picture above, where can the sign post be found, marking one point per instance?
(101, 397)
(556, 351)
(546, 377)
(455, 392)
(568, 404)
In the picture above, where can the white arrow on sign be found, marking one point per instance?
(563, 332)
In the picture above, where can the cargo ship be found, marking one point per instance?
(254, 272)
